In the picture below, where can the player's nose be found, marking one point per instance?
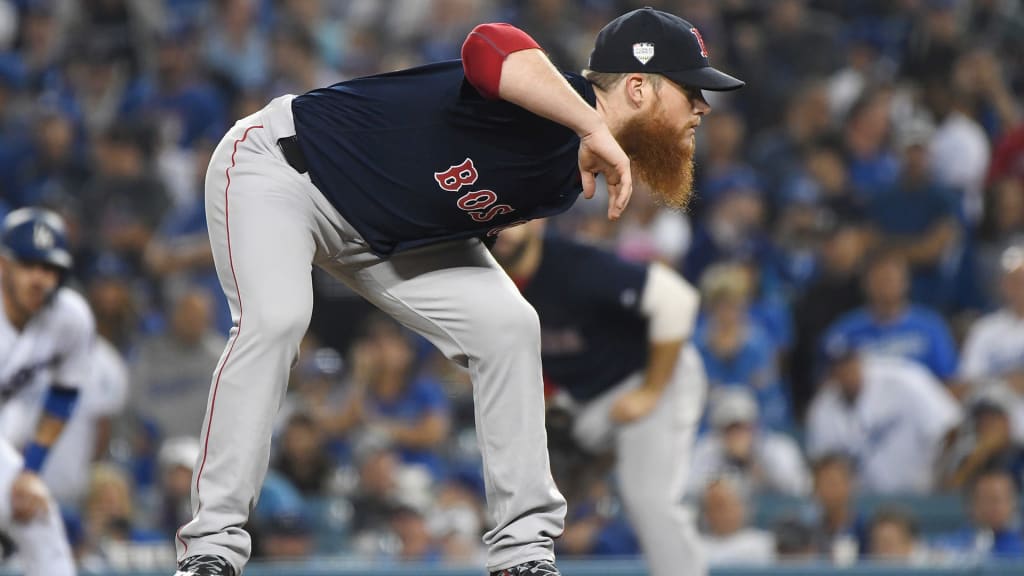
(700, 105)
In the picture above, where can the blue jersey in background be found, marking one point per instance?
(918, 334)
(592, 332)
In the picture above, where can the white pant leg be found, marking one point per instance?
(42, 542)
(652, 461)
(263, 227)
(457, 296)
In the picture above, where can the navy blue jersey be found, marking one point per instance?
(418, 156)
(593, 334)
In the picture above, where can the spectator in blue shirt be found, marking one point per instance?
(873, 167)
(390, 400)
(733, 230)
(776, 153)
(736, 348)
(918, 218)
(596, 524)
(179, 252)
(282, 521)
(184, 107)
(14, 133)
(56, 167)
(890, 325)
(722, 157)
(825, 179)
(235, 45)
(995, 530)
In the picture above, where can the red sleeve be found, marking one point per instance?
(485, 50)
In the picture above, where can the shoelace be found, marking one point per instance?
(216, 563)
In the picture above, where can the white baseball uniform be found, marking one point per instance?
(994, 349)
(893, 429)
(54, 346)
(43, 548)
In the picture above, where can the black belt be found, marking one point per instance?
(293, 153)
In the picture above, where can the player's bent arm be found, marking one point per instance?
(530, 80)
(57, 409)
(670, 305)
(502, 61)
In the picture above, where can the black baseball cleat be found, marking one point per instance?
(535, 568)
(206, 565)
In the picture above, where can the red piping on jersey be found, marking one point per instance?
(216, 383)
(484, 52)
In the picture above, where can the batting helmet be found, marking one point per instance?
(36, 235)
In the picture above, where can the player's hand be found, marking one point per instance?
(600, 153)
(28, 497)
(634, 405)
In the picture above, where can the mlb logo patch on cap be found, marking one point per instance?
(643, 51)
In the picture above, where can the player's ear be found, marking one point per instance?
(637, 88)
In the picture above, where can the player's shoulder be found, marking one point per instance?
(70, 311)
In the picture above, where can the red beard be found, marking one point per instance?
(661, 157)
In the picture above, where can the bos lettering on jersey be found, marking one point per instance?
(480, 205)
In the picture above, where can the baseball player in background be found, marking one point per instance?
(46, 337)
(614, 335)
(391, 183)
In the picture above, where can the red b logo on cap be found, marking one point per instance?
(700, 40)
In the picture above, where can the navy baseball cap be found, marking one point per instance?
(655, 42)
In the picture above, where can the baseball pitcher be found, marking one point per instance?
(392, 183)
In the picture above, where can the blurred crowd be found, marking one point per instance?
(857, 236)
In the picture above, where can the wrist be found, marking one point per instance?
(590, 125)
(35, 457)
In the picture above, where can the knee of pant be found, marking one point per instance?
(510, 324)
(279, 322)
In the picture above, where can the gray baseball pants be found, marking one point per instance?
(268, 225)
(652, 460)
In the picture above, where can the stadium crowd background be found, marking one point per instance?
(865, 192)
